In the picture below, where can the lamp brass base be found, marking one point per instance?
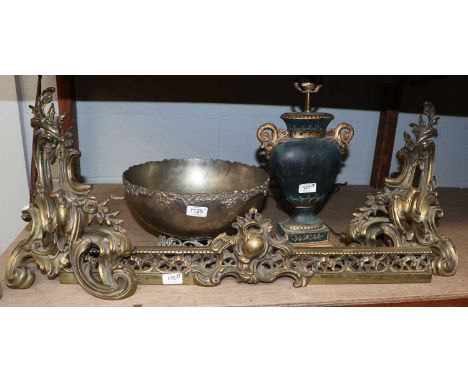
(305, 234)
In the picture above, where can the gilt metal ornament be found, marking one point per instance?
(405, 212)
(66, 221)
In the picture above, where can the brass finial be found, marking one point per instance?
(307, 88)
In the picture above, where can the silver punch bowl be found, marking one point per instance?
(190, 198)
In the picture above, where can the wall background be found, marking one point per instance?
(116, 135)
(14, 189)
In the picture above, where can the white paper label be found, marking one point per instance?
(117, 197)
(172, 278)
(307, 187)
(199, 212)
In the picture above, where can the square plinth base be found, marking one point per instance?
(311, 236)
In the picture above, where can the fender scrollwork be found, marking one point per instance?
(66, 221)
(404, 213)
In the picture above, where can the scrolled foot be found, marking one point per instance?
(20, 278)
(445, 263)
(18, 275)
(109, 280)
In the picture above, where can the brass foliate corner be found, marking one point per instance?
(404, 213)
(67, 223)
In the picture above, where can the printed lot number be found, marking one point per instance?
(199, 212)
(172, 278)
(307, 187)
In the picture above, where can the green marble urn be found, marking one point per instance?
(305, 160)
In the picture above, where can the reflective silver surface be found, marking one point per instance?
(158, 194)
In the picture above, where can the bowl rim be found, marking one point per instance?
(227, 198)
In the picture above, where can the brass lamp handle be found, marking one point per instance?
(342, 135)
(269, 136)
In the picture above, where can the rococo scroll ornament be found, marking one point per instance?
(254, 254)
(405, 212)
(66, 221)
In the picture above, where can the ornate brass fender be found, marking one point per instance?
(75, 236)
